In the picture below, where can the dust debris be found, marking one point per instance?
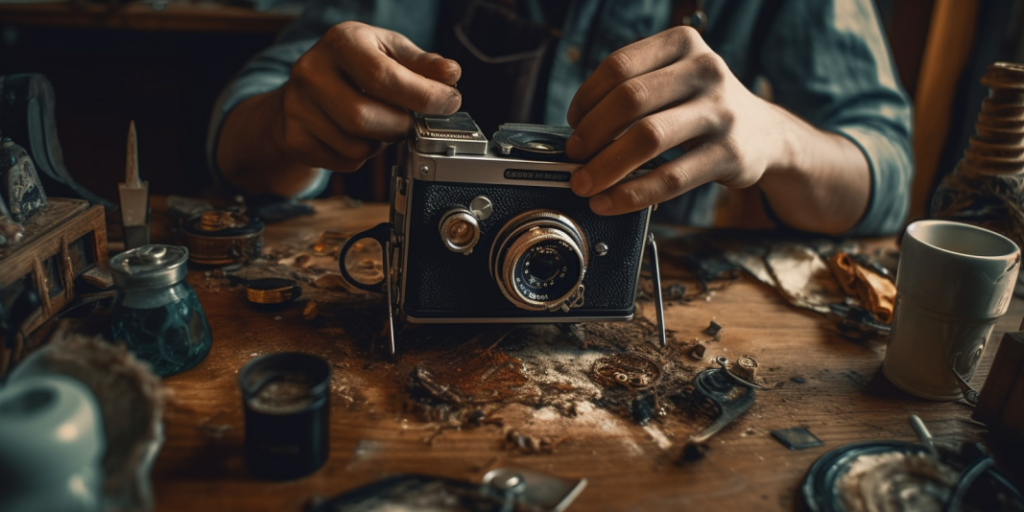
(530, 445)
(311, 311)
(693, 452)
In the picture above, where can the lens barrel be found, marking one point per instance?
(539, 259)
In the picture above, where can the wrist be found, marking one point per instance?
(251, 151)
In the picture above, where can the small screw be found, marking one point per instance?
(512, 482)
(601, 248)
(424, 169)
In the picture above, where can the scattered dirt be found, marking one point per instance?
(533, 384)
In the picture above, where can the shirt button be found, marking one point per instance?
(572, 54)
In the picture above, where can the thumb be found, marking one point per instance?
(427, 64)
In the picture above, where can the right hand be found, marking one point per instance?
(352, 93)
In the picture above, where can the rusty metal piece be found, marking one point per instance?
(698, 351)
(631, 371)
(217, 220)
(221, 237)
(724, 363)
(714, 330)
(746, 367)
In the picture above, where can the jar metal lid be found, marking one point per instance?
(150, 266)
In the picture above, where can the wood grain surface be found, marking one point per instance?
(843, 398)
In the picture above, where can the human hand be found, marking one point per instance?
(351, 93)
(661, 92)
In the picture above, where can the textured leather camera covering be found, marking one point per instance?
(443, 284)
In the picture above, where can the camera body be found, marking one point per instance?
(488, 231)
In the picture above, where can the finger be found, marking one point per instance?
(374, 69)
(703, 164)
(358, 149)
(313, 152)
(359, 114)
(634, 60)
(648, 138)
(634, 99)
(428, 64)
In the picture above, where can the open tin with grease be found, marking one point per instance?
(287, 414)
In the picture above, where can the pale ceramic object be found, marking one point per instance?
(953, 283)
(51, 446)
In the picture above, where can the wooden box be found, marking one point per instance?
(63, 241)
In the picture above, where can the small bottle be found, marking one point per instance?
(156, 313)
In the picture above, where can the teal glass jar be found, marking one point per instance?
(156, 313)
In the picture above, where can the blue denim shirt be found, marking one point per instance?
(827, 61)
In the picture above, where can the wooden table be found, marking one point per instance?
(843, 399)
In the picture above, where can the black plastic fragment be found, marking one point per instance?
(796, 438)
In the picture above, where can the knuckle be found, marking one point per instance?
(633, 95)
(652, 132)
(359, 118)
(619, 65)
(725, 119)
(683, 35)
(344, 30)
(674, 179)
(377, 74)
(711, 66)
(303, 68)
(630, 197)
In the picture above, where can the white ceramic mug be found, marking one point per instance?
(954, 281)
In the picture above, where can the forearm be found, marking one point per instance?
(250, 155)
(821, 182)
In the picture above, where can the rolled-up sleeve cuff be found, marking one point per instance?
(891, 169)
(265, 73)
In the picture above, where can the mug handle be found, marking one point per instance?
(382, 234)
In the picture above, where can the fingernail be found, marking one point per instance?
(452, 105)
(574, 146)
(600, 204)
(581, 183)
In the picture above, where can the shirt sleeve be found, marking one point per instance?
(271, 68)
(829, 63)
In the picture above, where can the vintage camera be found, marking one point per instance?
(490, 232)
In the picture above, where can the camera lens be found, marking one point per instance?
(538, 261)
(542, 264)
(460, 231)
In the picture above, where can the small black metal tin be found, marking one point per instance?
(289, 438)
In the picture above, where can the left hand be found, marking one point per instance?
(664, 91)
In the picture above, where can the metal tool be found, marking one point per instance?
(923, 434)
(656, 279)
(720, 387)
